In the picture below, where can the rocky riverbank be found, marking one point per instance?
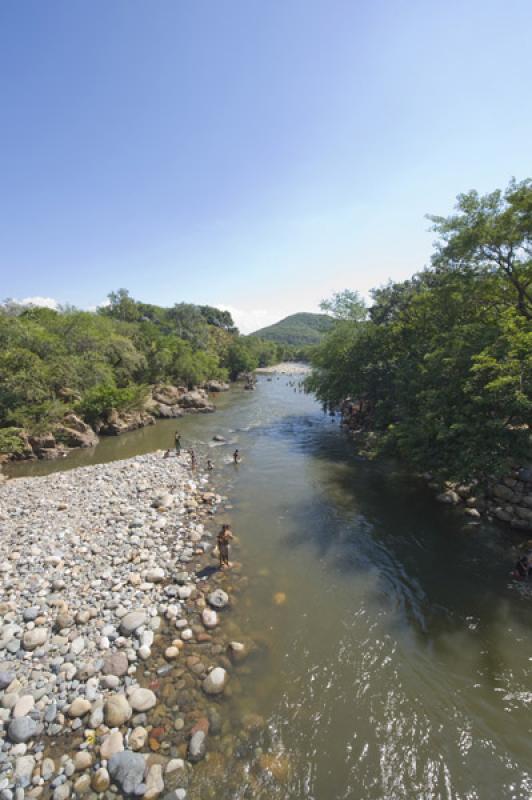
(114, 661)
(162, 402)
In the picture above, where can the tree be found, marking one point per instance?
(345, 305)
(491, 235)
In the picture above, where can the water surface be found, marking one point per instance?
(398, 662)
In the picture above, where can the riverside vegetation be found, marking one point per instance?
(65, 374)
(438, 370)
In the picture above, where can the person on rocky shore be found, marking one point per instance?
(192, 459)
(177, 443)
(223, 539)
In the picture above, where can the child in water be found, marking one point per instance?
(223, 539)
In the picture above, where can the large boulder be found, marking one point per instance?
(123, 422)
(166, 394)
(216, 386)
(196, 401)
(75, 433)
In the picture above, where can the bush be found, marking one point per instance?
(101, 400)
(10, 440)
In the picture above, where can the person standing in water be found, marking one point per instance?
(210, 465)
(236, 457)
(223, 539)
(177, 443)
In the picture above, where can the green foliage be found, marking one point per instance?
(442, 368)
(346, 305)
(11, 441)
(99, 401)
(49, 357)
(298, 329)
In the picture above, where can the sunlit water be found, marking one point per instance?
(399, 664)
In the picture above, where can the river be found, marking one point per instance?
(395, 658)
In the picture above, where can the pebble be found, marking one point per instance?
(215, 681)
(117, 711)
(113, 743)
(127, 770)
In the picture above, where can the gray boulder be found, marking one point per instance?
(127, 769)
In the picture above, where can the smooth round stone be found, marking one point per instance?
(215, 681)
(100, 780)
(132, 622)
(23, 706)
(79, 708)
(209, 617)
(21, 729)
(218, 599)
(142, 699)
(116, 664)
(113, 743)
(117, 711)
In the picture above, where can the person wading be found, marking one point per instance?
(223, 539)
(177, 443)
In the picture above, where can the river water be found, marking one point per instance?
(395, 657)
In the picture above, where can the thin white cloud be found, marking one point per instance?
(250, 320)
(43, 302)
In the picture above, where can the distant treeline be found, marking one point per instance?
(440, 366)
(53, 360)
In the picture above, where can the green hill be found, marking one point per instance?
(297, 329)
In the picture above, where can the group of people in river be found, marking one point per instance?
(225, 535)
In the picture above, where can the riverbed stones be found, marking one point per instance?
(142, 699)
(117, 711)
(113, 743)
(138, 738)
(115, 664)
(22, 729)
(197, 747)
(127, 770)
(215, 681)
(35, 638)
(209, 617)
(100, 781)
(79, 707)
(218, 599)
(132, 622)
(23, 706)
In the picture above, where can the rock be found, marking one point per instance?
(100, 780)
(47, 769)
(142, 699)
(209, 617)
(113, 743)
(138, 738)
(156, 574)
(116, 664)
(23, 706)
(62, 792)
(75, 433)
(117, 710)
(82, 784)
(154, 782)
(218, 599)
(165, 394)
(23, 770)
(215, 681)
(22, 729)
(472, 512)
(127, 770)
(450, 497)
(132, 622)
(197, 747)
(82, 760)
(35, 638)
(79, 708)
(238, 652)
(217, 386)
(173, 765)
(6, 678)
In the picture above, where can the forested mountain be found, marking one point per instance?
(440, 366)
(297, 329)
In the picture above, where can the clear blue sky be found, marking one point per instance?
(252, 154)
